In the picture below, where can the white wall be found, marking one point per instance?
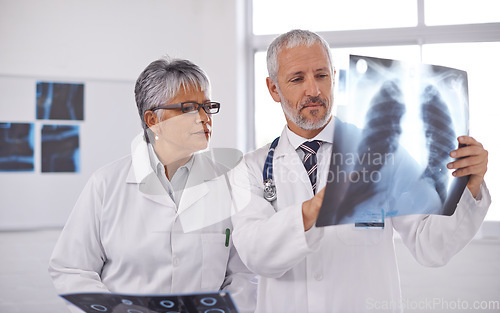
(105, 44)
(468, 283)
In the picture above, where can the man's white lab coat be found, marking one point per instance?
(337, 268)
(126, 235)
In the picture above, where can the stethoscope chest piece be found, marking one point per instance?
(267, 173)
(269, 190)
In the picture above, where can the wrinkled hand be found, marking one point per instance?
(310, 209)
(473, 162)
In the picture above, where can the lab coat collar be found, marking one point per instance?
(141, 166)
(143, 175)
(203, 171)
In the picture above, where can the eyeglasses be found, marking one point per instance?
(191, 107)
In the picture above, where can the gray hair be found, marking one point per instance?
(162, 80)
(291, 39)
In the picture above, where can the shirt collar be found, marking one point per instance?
(325, 135)
(157, 166)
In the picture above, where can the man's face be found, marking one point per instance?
(305, 87)
(185, 132)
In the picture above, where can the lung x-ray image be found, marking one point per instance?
(392, 142)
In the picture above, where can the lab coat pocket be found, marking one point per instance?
(215, 258)
(360, 236)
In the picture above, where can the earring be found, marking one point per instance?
(156, 136)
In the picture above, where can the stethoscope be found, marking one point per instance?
(267, 173)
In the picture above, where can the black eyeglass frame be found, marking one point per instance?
(184, 108)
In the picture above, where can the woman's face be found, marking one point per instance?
(184, 133)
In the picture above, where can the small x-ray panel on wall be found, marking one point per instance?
(220, 302)
(59, 101)
(16, 147)
(60, 148)
(392, 142)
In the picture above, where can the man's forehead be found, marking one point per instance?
(303, 58)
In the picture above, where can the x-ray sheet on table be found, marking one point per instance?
(216, 302)
(392, 142)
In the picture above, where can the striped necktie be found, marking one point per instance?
(310, 149)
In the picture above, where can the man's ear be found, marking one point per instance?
(150, 118)
(273, 89)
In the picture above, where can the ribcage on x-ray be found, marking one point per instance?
(440, 138)
(382, 130)
(379, 139)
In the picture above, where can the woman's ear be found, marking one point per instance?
(150, 118)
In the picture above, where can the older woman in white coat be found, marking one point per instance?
(157, 221)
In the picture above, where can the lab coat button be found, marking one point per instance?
(175, 261)
(318, 276)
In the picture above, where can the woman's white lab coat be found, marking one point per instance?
(337, 268)
(126, 235)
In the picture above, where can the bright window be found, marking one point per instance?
(454, 12)
(269, 118)
(278, 16)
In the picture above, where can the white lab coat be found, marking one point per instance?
(126, 235)
(337, 268)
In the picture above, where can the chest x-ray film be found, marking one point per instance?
(217, 302)
(392, 142)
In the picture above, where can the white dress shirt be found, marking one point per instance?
(175, 186)
(324, 152)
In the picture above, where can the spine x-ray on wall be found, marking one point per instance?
(59, 143)
(59, 101)
(60, 148)
(16, 147)
(392, 142)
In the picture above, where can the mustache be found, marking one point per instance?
(312, 100)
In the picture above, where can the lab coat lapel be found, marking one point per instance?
(196, 186)
(142, 174)
(206, 200)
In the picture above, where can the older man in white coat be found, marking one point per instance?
(304, 268)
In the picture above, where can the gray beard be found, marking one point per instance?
(299, 120)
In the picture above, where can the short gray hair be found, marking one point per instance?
(162, 80)
(290, 40)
